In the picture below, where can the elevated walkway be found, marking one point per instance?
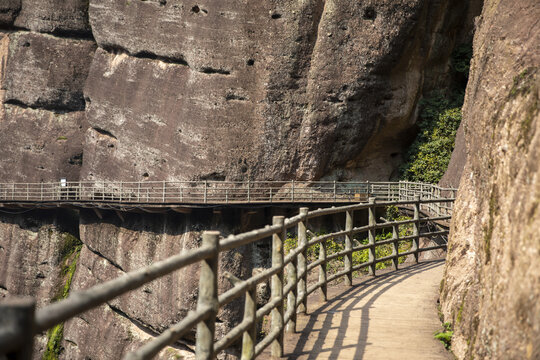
(182, 196)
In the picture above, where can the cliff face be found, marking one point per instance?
(492, 282)
(221, 90)
(177, 90)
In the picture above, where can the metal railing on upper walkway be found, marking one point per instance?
(19, 322)
(156, 193)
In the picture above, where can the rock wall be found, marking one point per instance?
(492, 278)
(220, 90)
(33, 250)
(177, 90)
(114, 246)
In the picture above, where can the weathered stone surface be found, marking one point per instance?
(40, 145)
(39, 139)
(315, 88)
(8, 11)
(30, 255)
(107, 332)
(65, 17)
(211, 36)
(113, 247)
(32, 251)
(452, 176)
(492, 282)
(183, 121)
(46, 71)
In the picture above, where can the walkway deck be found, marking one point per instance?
(392, 316)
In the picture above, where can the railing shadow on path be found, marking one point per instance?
(374, 287)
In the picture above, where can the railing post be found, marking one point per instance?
(395, 246)
(138, 192)
(17, 325)
(371, 234)
(290, 327)
(348, 246)
(277, 287)
(368, 188)
(205, 191)
(208, 296)
(248, 191)
(302, 261)
(41, 191)
(335, 195)
(250, 336)
(416, 227)
(121, 190)
(163, 195)
(292, 192)
(27, 192)
(322, 271)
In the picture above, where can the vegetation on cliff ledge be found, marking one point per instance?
(70, 249)
(428, 156)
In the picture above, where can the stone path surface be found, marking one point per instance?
(392, 316)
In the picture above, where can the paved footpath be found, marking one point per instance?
(392, 316)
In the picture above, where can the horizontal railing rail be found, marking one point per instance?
(212, 192)
(288, 274)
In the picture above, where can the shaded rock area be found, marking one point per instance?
(8, 11)
(32, 251)
(452, 176)
(61, 17)
(492, 279)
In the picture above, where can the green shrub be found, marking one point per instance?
(445, 336)
(428, 156)
(440, 114)
(335, 245)
(70, 249)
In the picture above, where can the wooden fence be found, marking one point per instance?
(19, 320)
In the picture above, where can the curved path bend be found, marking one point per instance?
(391, 316)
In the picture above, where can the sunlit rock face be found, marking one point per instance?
(226, 90)
(263, 90)
(492, 283)
(42, 118)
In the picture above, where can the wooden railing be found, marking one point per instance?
(19, 321)
(215, 192)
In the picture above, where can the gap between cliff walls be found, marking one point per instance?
(428, 157)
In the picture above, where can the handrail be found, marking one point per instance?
(295, 290)
(213, 192)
